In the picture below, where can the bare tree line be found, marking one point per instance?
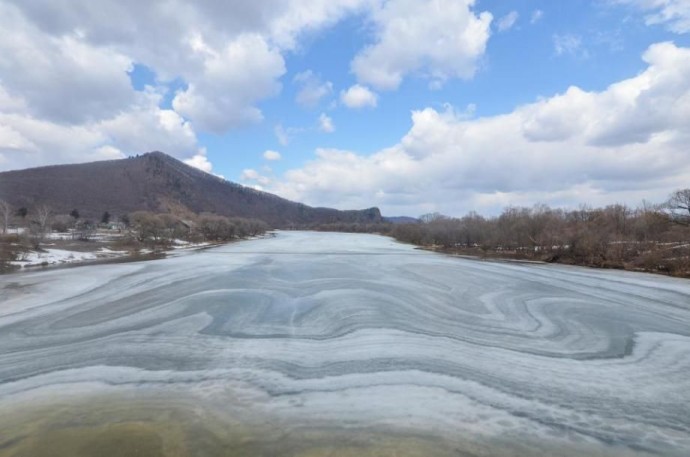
(143, 225)
(38, 225)
(26, 229)
(148, 227)
(649, 238)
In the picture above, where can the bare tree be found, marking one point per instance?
(39, 225)
(43, 214)
(61, 223)
(83, 230)
(430, 217)
(147, 226)
(5, 214)
(679, 206)
(216, 228)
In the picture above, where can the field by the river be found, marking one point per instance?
(321, 344)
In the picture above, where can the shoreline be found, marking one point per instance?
(174, 250)
(494, 257)
(124, 257)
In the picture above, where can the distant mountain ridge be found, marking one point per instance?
(157, 182)
(402, 220)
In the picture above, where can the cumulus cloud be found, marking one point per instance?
(312, 89)
(244, 71)
(326, 123)
(358, 97)
(60, 79)
(673, 14)
(65, 63)
(84, 52)
(624, 143)
(146, 127)
(288, 19)
(507, 22)
(26, 141)
(272, 155)
(200, 161)
(439, 39)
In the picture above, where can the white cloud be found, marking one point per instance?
(284, 134)
(244, 71)
(64, 66)
(507, 22)
(12, 139)
(439, 39)
(149, 128)
(326, 123)
(281, 135)
(272, 155)
(249, 174)
(61, 79)
(11, 103)
(673, 14)
(291, 18)
(229, 54)
(200, 161)
(625, 143)
(153, 30)
(570, 44)
(537, 16)
(359, 97)
(65, 92)
(26, 141)
(254, 177)
(312, 90)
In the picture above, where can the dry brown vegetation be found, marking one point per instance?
(131, 233)
(156, 229)
(648, 238)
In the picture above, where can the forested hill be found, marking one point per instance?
(157, 182)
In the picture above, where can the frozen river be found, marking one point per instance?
(311, 344)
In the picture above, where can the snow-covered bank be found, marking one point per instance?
(62, 256)
(52, 256)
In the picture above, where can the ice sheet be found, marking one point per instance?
(358, 331)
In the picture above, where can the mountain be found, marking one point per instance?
(157, 182)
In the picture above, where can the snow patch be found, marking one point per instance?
(62, 256)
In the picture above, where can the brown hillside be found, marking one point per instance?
(157, 182)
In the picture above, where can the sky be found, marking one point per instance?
(413, 106)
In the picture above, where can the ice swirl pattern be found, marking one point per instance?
(340, 344)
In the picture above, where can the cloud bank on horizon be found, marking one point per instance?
(509, 106)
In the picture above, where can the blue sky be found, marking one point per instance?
(459, 106)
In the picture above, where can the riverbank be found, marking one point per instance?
(60, 252)
(653, 265)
